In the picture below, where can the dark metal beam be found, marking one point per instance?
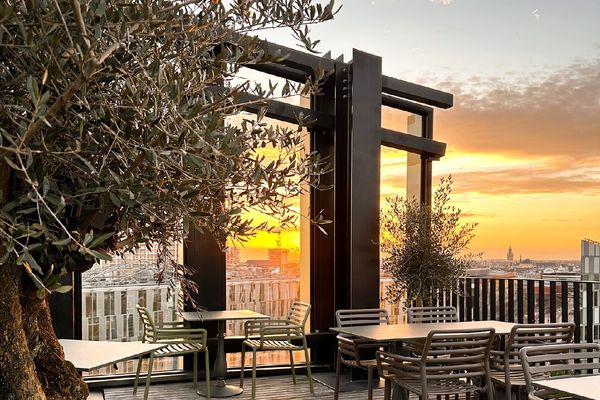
(287, 112)
(405, 105)
(296, 66)
(412, 91)
(412, 143)
(280, 110)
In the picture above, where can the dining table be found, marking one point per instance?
(411, 332)
(400, 332)
(220, 388)
(584, 387)
(87, 355)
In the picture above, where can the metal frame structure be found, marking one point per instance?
(347, 130)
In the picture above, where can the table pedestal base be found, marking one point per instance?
(219, 389)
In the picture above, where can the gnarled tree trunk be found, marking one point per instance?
(32, 365)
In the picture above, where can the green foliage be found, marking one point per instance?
(112, 126)
(423, 246)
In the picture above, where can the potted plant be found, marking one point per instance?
(424, 246)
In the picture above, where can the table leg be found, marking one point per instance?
(219, 388)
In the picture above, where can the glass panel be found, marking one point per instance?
(400, 176)
(270, 271)
(110, 293)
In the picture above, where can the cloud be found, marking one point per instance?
(556, 113)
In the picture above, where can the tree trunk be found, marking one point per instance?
(32, 364)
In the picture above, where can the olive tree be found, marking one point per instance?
(424, 247)
(113, 135)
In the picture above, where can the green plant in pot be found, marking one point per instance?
(424, 246)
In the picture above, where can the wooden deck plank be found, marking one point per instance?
(280, 388)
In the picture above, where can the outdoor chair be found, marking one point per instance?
(557, 361)
(350, 349)
(271, 335)
(506, 367)
(452, 362)
(181, 340)
(426, 315)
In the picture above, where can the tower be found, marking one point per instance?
(509, 255)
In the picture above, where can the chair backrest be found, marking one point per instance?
(362, 316)
(523, 335)
(299, 313)
(542, 362)
(425, 315)
(448, 355)
(149, 334)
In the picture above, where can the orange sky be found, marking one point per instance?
(524, 156)
(525, 165)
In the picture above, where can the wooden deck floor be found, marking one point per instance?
(279, 388)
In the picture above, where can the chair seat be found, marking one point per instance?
(363, 363)
(517, 377)
(271, 345)
(175, 349)
(436, 387)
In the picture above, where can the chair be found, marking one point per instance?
(556, 361)
(353, 347)
(506, 368)
(271, 335)
(425, 315)
(181, 340)
(453, 362)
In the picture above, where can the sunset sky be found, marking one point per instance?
(524, 134)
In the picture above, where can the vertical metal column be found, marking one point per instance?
(322, 259)
(365, 152)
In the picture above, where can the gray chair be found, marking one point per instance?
(425, 315)
(452, 362)
(272, 335)
(506, 367)
(350, 348)
(181, 340)
(557, 361)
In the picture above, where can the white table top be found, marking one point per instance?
(583, 386)
(418, 331)
(221, 315)
(89, 354)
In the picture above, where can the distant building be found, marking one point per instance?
(278, 257)
(590, 260)
(232, 256)
(590, 271)
(509, 254)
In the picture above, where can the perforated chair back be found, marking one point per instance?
(299, 313)
(425, 315)
(452, 362)
(558, 360)
(149, 334)
(524, 335)
(362, 317)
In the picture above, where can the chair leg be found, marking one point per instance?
(253, 374)
(137, 375)
(150, 363)
(338, 371)
(242, 366)
(370, 383)
(387, 394)
(293, 369)
(207, 368)
(195, 369)
(307, 357)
